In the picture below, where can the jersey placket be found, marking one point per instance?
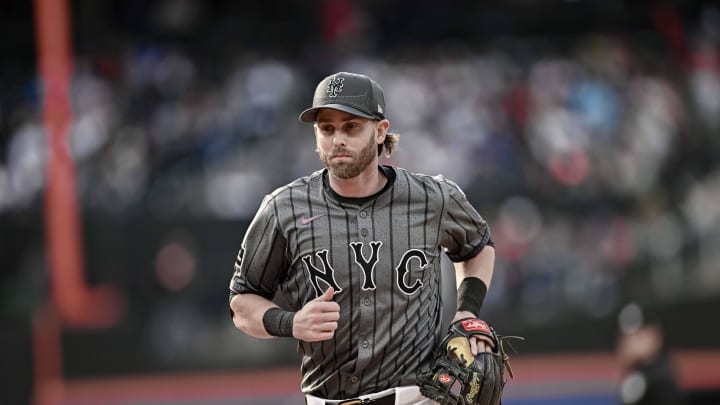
(365, 298)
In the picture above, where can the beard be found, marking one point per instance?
(359, 161)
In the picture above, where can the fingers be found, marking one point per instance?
(489, 344)
(321, 336)
(316, 331)
(318, 315)
(474, 346)
(327, 295)
(326, 327)
(325, 303)
(480, 344)
(318, 319)
(321, 322)
(319, 330)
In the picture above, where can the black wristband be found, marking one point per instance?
(470, 295)
(278, 322)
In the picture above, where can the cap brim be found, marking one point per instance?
(310, 115)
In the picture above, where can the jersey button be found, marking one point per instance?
(363, 214)
(365, 343)
(354, 379)
(366, 301)
(364, 232)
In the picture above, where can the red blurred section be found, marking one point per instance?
(536, 376)
(72, 302)
(339, 19)
(185, 387)
(77, 304)
(698, 370)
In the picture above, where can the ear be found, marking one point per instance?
(382, 130)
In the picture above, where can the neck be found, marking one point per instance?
(368, 182)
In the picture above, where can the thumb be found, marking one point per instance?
(327, 295)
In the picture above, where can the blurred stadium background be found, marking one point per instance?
(587, 132)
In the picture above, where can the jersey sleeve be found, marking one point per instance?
(261, 262)
(464, 232)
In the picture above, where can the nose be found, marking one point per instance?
(339, 139)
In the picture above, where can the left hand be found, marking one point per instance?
(478, 344)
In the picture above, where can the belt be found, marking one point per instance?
(388, 399)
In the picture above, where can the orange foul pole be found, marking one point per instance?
(72, 303)
(77, 304)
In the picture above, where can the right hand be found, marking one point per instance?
(317, 320)
(478, 343)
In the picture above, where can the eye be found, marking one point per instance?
(326, 129)
(352, 125)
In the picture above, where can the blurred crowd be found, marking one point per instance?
(593, 157)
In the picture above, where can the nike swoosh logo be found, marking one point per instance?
(305, 220)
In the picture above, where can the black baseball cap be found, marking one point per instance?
(352, 93)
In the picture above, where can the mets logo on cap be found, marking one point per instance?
(335, 86)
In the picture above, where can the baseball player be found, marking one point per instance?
(355, 249)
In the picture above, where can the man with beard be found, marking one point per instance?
(354, 251)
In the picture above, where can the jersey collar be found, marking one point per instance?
(389, 173)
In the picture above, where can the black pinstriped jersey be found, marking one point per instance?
(382, 256)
